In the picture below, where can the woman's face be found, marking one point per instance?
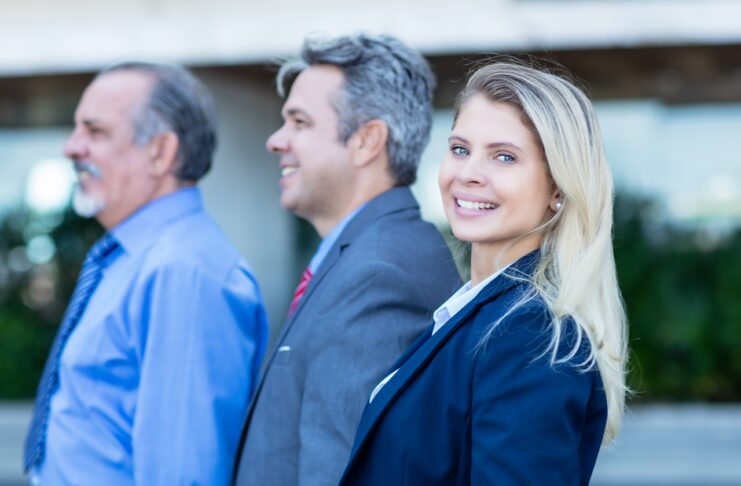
(493, 179)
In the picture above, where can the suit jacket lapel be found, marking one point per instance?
(393, 200)
(415, 361)
(329, 261)
(396, 199)
(408, 369)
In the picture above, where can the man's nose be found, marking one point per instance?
(277, 142)
(74, 148)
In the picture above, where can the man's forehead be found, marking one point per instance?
(314, 88)
(323, 74)
(114, 93)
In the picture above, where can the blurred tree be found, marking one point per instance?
(33, 297)
(684, 310)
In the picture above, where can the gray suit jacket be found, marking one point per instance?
(371, 296)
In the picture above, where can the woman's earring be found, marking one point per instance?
(559, 205)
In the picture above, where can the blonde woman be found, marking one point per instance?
(521, 376)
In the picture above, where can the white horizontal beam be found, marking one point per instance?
(48, 36)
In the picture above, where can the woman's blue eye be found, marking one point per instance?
(458, 150)
(506, 158)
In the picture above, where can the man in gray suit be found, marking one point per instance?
(356, 120)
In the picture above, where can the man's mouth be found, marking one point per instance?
(288, 170)
(475, 205)
(86, 169)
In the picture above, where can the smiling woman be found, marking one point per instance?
(521, 377)
(495, 184)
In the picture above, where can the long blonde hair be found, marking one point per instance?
(576, 274)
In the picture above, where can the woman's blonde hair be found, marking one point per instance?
(575, 275)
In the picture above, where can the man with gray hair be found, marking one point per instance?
(356, 120)
(154, 363)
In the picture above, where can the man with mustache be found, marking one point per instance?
(356, 119)
(154, 363)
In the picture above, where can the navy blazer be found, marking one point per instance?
(498, 414)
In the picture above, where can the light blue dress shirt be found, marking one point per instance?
(329, 240)
(156, 378)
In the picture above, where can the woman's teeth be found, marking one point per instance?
(474, 205)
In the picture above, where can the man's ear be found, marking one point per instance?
(163, 153)
(369, 141)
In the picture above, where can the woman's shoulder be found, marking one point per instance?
(518, 306)
(523, 320)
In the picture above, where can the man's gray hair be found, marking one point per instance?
(384, 79)
(178, 102)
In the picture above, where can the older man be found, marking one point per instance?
(356, 121)
(153, 366)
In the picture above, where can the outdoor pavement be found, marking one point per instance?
(14, 418)
(677, 445)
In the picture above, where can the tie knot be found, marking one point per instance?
(102, 248)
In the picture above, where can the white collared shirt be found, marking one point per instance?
(445, 312)
(459, 300)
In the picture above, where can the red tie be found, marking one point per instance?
(302, 284)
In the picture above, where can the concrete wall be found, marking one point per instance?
(48, 36)
(242, 190)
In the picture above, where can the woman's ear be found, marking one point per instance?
(163, 153)
(369, 141)
(556, 202)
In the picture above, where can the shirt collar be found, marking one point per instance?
(330, 240)
(141, 228)
(460, 299)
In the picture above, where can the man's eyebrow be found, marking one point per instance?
(91, 122)
(295, 111)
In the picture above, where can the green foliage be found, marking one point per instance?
(24, 344)
(681, 291)
(33, 297)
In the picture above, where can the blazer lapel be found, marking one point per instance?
(416, 344)
(391, 201)
(329, 261)
(415, 361)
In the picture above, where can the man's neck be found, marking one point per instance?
(324, 226)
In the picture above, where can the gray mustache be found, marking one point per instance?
(92, 170)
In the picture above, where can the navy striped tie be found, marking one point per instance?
(88, 279)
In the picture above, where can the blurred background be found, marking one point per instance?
(666, 79)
